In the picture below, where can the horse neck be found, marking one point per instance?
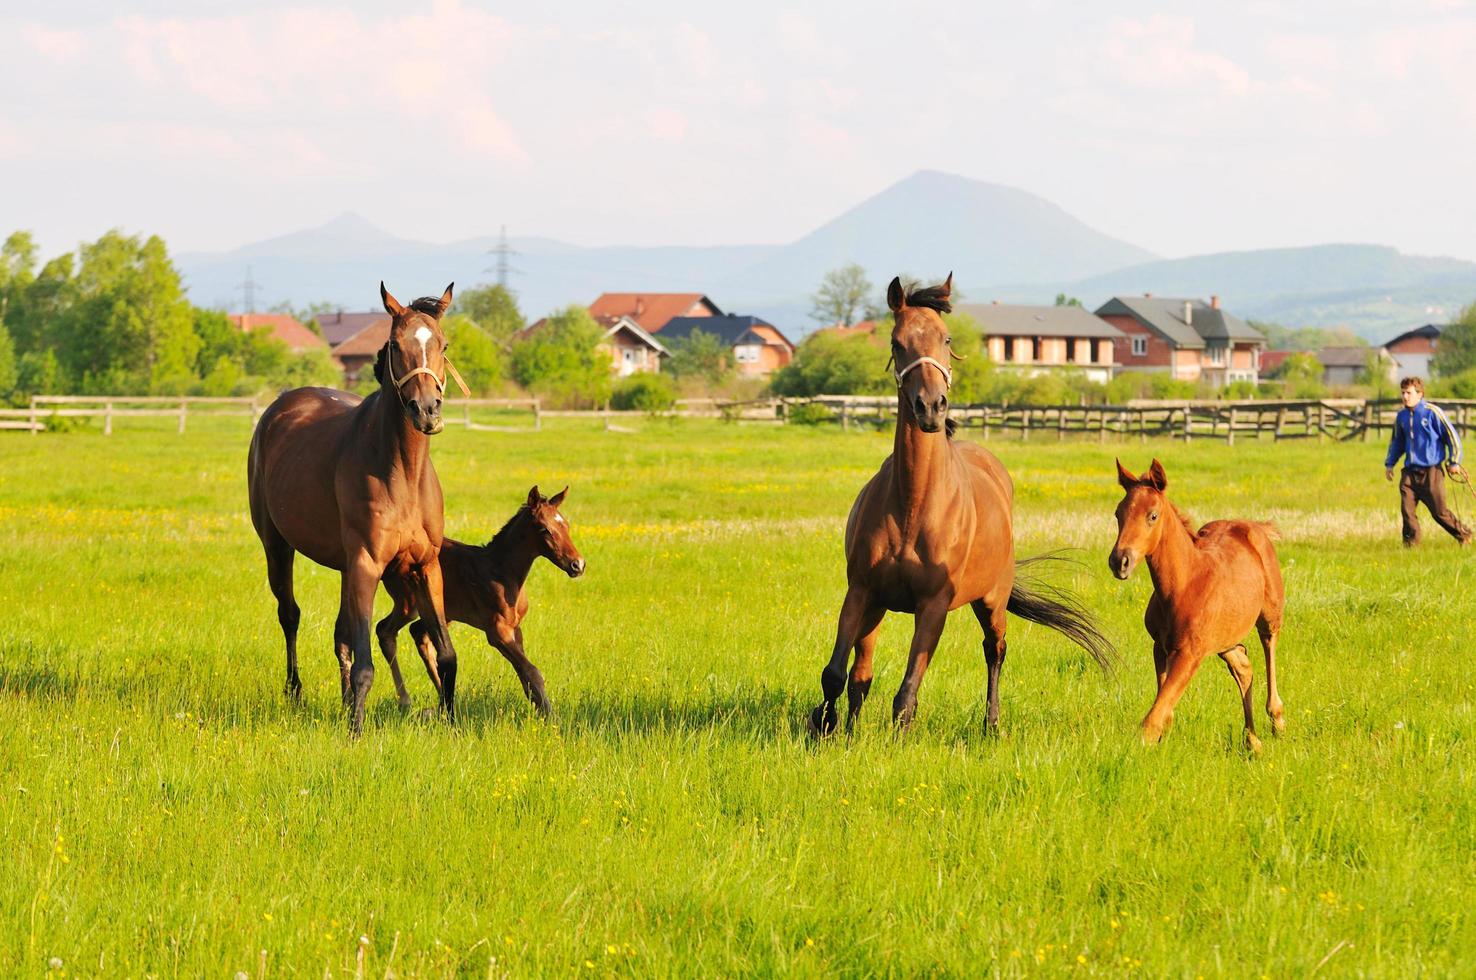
(1171, 564)
(513, 558)
(919, 460)
(402, 445)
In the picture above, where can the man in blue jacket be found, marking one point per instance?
(1428, 443)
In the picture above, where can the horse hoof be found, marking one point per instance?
(1252, 744)
(821, 723)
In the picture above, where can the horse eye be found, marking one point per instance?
(948, 341)
(1152, 516)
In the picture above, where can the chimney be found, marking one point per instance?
(1147, 295)
(994, 302)
(640, 306)
(1188, 313)
(1214, 302)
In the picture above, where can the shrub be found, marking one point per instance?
(644, 392)
(810, 414)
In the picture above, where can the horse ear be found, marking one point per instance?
(391, 305)
(948, 286)
(896, 299)
(1125, 479)
(534, 497)
(445, 303)
(1156, 477)
(379, 364)
(558, 498)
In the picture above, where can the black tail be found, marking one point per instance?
(1053, 606)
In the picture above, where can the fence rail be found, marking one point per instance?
(1324, 419)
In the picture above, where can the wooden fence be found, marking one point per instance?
(1327, 419)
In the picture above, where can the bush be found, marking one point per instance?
(810, 414)
(1462, 385)
(644, 392)
(826, 364)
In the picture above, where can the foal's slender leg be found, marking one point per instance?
(1240, 670)
(344, 651)
(1160, 662)
(927, 627)
(430, 602)
(279, 555)
(993, 623)
(1274, 707)
(858, 685)
(388, 631)
(833, 678)
(1182, 663)
(509, 643)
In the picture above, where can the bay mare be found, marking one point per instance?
(931, 532)
(484, 588)
(348, 482)
(1209, 589)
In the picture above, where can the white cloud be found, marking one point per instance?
(62, 46)
(1162, 52)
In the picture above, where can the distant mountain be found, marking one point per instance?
(926, 224)
(1001, 243)
(1376, 290)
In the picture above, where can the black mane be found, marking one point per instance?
(933, 298)
(430, 305)
(500, 539)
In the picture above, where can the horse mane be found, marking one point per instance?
(501, 538)
(430, 305)
(932, 297)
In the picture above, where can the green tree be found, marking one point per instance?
(827, 364)
(700, 355)
(476, 355)
(7, 364)
(36, 305)
(1456, 351)
(644, 391)
(843, 293)
(494, 309)
(17, 268)
(564, 359)
(39, 373)
(1063, 300)
(130, 327)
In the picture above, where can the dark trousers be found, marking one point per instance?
(1426, 485)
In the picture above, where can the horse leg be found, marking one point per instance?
(427, 652)
(430, 603)
(1160, 662)
(858, 685)
(343, 650)
(509, 643)
(1274, 707)
(1182, 663)
(833, 678)
(993, 622)
(360, 582)
(1240, 670)
(279, 556)
(388, 632)
(927, 627)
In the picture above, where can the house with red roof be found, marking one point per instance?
(284, 327)
(652, 311)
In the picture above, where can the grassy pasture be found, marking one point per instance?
(164, 810)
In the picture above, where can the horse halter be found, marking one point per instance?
(389, 366)
(925, 359)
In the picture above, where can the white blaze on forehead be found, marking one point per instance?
(560, 518)
(423, 334)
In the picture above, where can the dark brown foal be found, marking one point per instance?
(484, 587)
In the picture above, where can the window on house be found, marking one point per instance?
(1070, 351)
(1140, 346)
(1216, 354)
(747, 354)
(1035, 349)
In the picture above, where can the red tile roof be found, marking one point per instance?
(652, 311)
(366, 342)
(286, 328)
(338, 327)
(1273, 359)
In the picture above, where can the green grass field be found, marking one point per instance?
(164, 810)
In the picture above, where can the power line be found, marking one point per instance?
(248, 290)
(503, 251)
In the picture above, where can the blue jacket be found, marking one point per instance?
(1424, 437)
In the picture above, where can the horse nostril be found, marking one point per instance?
(438, 405)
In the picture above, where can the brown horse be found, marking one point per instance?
(1209, 589)
(932, 532)
(484, 588)
(350, 484)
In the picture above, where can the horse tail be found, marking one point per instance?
(1060, 609)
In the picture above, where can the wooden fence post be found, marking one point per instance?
(108, 419)
(34, 421)
(183, 408)
(1230, 433)
(1280, 423)
(537, 415)
(1188, 425)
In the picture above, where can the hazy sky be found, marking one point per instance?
(1183, 128)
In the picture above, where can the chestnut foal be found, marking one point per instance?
(484, 588)
(1209, 589)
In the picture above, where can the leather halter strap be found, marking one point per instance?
(925, 359)
(389, 365)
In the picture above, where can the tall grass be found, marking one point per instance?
(164, 810)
